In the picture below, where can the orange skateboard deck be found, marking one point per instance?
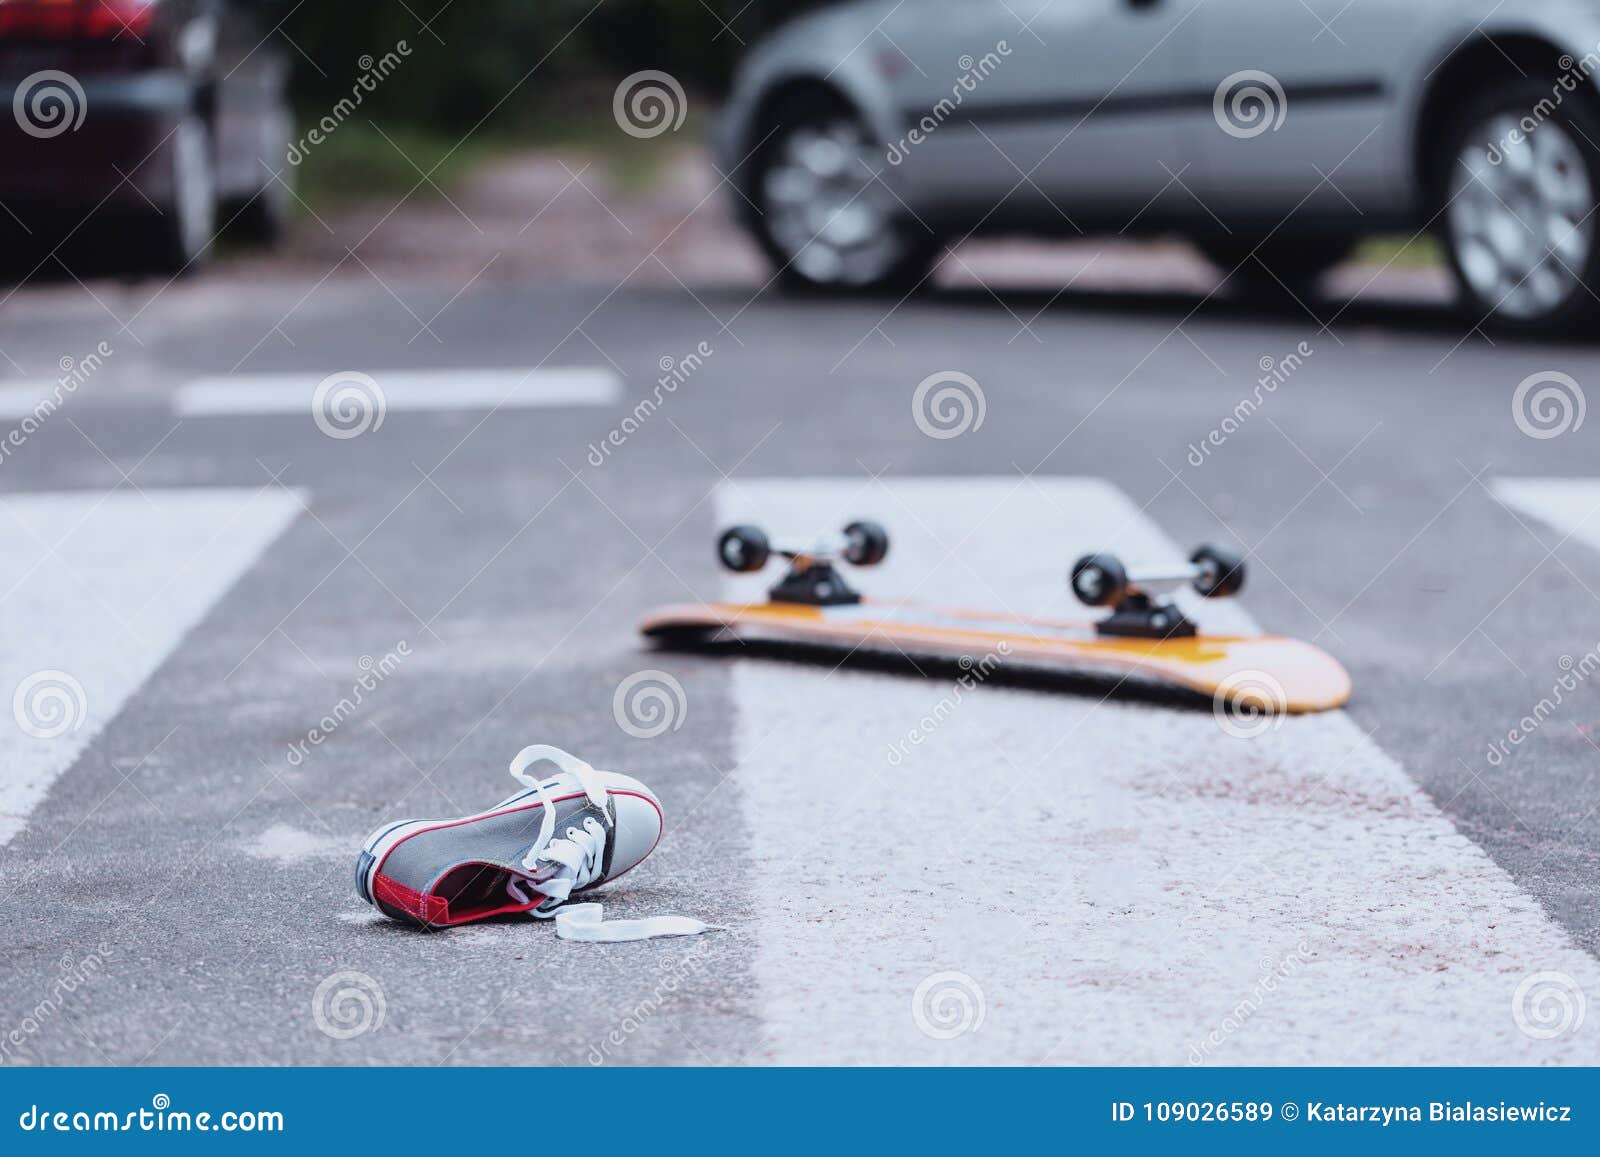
(1263, 672)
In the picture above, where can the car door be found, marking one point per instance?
(1061, 102)
(1306, 114)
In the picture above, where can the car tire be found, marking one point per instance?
(1260, 267)
(1517, 215)
(820, 216)
(183, 235)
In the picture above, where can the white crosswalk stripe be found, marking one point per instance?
(96, 590)
(1108, 882)
(455, 389)
(1570, 505)
(20, 400)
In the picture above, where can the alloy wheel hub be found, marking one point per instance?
(826, 209)
(1520, 215)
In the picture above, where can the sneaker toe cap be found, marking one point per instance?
(638, 830)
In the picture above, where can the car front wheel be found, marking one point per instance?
(824, 216)
(1519, 207)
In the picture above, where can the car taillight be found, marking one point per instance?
(75, 19)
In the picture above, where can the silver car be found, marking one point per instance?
(1275, 133)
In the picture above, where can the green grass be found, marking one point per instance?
(1406, 252)
(629, 164)
(356, 162)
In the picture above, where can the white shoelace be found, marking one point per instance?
(577, 858)
(588, 922)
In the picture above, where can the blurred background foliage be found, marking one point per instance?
(474, 52)
(488, 77)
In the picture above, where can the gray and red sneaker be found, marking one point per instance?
(566, 833)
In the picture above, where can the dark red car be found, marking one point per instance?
(153, 121)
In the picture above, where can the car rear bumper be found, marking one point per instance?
(107, 147)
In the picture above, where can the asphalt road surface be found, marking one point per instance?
(241, 631)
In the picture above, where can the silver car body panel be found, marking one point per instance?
(1067, 115)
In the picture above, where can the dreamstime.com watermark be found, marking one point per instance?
(1574, 674)
(649, 103)
(973, 74)
(1548, 404)
(74, 372)
(974, 672)
(947, 1005)
(49, 704)
(73, 973)
(1274, 373)
(373, 673)
(373, 73)
(675, 973)
(1547, 1005)
(649, 703)
(160, 1117)
(1249, 703)
(1248, 103)
(49, 103)
(674, 373)
(947, 404)
(347, 404)
(1574, 77)
(1272, 975)
(348, 1004)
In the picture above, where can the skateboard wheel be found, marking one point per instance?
(1221, 571)
(743, 549)
(866, 543)
(1099, 580)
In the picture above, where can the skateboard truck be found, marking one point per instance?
(812, 578)
(1132, 593)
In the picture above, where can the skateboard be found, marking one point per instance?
(1142, 635)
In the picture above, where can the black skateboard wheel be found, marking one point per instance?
(1099, 580)
(866, 543)
(744, 549)
(1221, 571)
